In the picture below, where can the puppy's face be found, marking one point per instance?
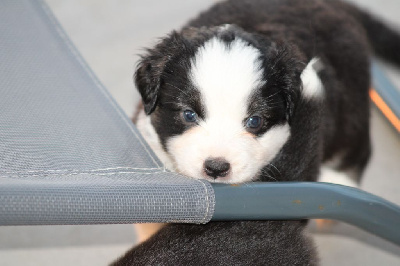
(220, 102)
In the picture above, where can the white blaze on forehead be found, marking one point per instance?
(226, 75)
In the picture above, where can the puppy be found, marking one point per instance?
(225, 243)
(257, 90)
(272, 96)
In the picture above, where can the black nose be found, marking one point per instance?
(216, 167)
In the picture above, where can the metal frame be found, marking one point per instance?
(308, 200)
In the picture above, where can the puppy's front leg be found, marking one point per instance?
(145, 231)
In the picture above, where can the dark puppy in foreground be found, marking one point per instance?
(257, 90)
(225, 243)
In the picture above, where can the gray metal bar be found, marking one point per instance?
(290, 200)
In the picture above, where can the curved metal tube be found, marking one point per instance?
(292, 200)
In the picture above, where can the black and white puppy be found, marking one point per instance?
(276, 92)
(256, 90)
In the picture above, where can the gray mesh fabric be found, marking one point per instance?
(68, 154)
(93, 198)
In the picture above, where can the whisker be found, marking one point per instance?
(267, 174)
(279, 172)
(272, 95)
(173, 103)
(170, 95)
(179, 89)
(274, 167)
(274, 103)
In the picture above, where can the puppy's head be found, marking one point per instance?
(220, 100)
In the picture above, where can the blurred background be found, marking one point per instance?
(110, 35)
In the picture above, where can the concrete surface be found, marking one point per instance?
(110, 35)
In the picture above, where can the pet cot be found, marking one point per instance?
(69, 155)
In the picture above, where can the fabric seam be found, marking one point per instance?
(84, 173)
(205, 218)
(80, 171)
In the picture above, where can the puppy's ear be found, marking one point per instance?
(309, 88)
(147, 79)
(149, 73)
(284, 73)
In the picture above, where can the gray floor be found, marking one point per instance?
(110, 35)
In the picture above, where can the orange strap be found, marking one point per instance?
(393, 119)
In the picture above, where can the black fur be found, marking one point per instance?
(225, 243)
(289, 33)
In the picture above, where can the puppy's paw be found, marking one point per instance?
(146, 230)
(324, 224)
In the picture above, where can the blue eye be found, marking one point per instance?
(254, 122)
(190, 116)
